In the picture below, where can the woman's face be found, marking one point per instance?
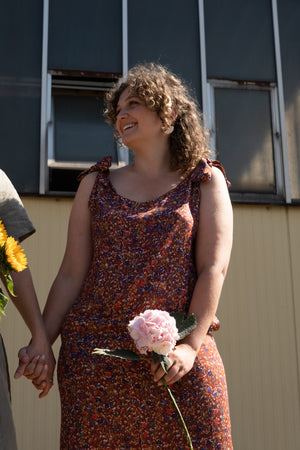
(135, 122)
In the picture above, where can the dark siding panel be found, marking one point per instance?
(20, 71)
(85, 35)
(166, 32)
(239, 40)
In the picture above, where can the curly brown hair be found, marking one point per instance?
(164, 92)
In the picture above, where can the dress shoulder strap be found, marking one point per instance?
(203, 170)
(101, 166)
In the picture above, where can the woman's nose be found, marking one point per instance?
(122, 113)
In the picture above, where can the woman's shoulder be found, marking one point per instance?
(88, 178)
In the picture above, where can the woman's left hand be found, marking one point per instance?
(181, 362)
(37, 363)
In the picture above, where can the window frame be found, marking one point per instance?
(271, 88)
(57, 80)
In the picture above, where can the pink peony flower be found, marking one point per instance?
(154, 331)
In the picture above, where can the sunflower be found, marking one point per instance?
(15, 255)
(3, 234)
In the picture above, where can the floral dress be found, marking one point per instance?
(143, 258)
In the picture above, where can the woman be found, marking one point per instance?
(155, 234)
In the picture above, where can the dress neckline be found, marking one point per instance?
(146, 202)
(201, 173)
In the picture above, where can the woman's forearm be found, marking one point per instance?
(62, 295)
(204, 304)
(26, 302)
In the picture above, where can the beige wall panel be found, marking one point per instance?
(257, 339)
(37, 420)
(294, 230)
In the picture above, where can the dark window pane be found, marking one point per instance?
(239, 40)
(80, 133)
(244, 139)
(21, 38)
(63, 180)
(166, 32)
(85, 35)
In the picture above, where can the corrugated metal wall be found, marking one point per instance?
(259, 339)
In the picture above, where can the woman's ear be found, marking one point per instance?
(169, 130)
(174, 115)
(173, 118)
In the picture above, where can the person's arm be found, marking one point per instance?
(75, 264)
(213, 248)
(39, 356)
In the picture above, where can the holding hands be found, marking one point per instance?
(37, 363)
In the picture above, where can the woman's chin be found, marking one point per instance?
(128, 141)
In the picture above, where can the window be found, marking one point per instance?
(77, 135)
(245, 136)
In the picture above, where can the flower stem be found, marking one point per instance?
(179, 413)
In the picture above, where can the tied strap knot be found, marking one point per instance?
(101, 166)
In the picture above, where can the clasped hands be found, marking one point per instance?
(37, 363)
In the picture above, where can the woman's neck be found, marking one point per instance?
(154, 162)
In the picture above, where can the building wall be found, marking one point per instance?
(259, 338)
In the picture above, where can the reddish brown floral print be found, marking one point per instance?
(143, 259)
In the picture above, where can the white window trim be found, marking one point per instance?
(284, 156)
(202, 47)
(125, 37)
(44, 102)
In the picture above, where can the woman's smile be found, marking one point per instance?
(128, 126)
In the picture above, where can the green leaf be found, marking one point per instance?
(3, 302)
(123, 354)
(164, 362)
(10, 284)
(155, 357)
(162, 359)
(179, 317)
(185, 326)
